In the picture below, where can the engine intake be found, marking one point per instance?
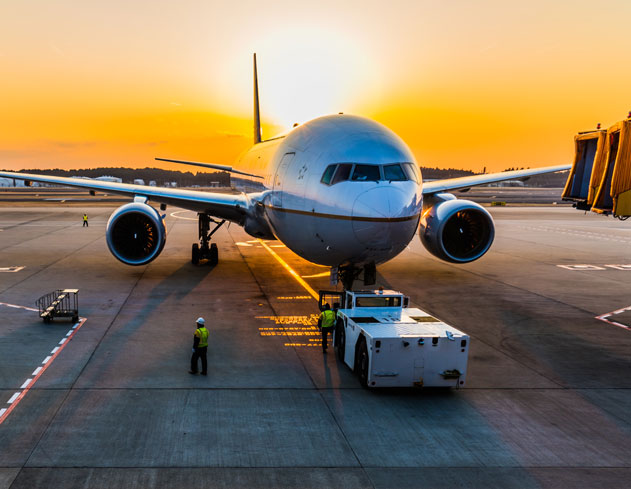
(135, 233)
(459, 231)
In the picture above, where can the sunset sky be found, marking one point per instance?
(466, 84)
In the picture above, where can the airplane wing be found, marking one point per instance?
(232, 207)
(466, 182)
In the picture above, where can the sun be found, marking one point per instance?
(303, 73)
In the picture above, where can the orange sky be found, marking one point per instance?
(465, 84)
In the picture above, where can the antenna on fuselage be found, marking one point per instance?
(257, 114)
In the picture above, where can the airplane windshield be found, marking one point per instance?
(411, 171)
(394, 172)
(328, 174)
(366, 172)
(342, 173)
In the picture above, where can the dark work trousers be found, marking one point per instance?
(200, 352)
(85, 223)
(325, 334)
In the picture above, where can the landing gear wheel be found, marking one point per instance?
(204, 251)
(75, 319)
(214, 254)
(340, 341)
(362, 364)
(195, 254)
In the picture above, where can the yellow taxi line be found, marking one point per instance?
(293, 273)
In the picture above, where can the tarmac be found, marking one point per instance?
(547, 401)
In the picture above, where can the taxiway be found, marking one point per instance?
(547, 402)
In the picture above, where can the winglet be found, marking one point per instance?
(257, 115)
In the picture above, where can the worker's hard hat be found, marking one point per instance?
(200, 321)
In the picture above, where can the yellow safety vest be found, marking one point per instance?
(202, 334)
(328, 318)
(85, 218)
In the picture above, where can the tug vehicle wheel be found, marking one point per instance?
(362, 363)
(340, 339)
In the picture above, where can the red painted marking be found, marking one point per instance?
(44, 367)
(604, 318)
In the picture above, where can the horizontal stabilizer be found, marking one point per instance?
(210, 165)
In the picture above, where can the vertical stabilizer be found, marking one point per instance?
(257, 114)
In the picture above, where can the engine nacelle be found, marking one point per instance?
(135, 233)
(456, 230)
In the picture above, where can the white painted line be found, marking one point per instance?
(604, 318)
(29, 383)
(11, 269)
(581, 267)
(18, 307)
(175, 214)
(75, 326)
(620, 267)
(69, 333)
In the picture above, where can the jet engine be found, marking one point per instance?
(456, 230)
(135, 233)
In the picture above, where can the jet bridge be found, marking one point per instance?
(600, 178)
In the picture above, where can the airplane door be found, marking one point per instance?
(279, 178)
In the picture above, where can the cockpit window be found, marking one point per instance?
(328, 174)
(342, 173)
(394, 173)
(411, 171)
(365, 173)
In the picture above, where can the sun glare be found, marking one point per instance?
(306, 73)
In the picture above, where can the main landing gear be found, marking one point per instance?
(203, 251)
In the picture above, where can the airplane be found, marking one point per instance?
(342, 191)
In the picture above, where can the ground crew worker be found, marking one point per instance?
(326, 322)
(200, 347)
(85, 220)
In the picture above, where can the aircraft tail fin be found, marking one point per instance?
(257, 114)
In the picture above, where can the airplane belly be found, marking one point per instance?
(333, 241)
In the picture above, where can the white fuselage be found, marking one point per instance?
(352, 221)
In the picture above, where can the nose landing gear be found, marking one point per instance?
(204, 250)
(349, 273)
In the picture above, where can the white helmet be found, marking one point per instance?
(201, 321)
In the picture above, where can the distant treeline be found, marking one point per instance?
(550, 180)
(440, 173)
(128, 175)
(203, 179)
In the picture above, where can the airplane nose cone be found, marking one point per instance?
(377, 216)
